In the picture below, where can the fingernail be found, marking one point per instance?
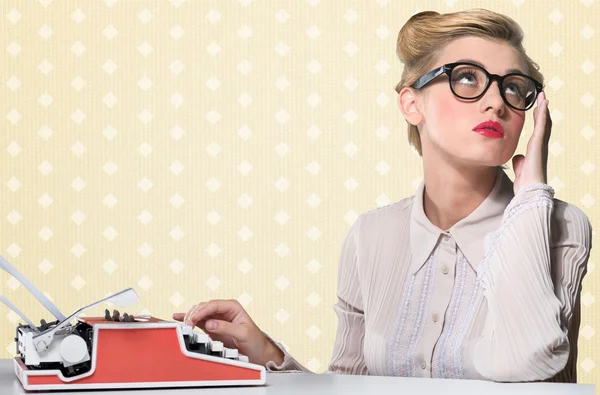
(210, 325)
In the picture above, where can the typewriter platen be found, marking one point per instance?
(118, 351)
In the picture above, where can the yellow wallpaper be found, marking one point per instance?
(221, 149)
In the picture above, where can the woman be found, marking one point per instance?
(473, 277)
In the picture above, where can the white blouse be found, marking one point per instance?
(494, 297)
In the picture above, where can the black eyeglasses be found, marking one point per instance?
(470, 81)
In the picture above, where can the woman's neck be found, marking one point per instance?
(452, 193)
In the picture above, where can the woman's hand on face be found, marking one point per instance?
(532, 168)
(227, 321)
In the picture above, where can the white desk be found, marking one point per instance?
(317, 384)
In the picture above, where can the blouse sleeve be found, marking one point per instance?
(532, 276)
(348, 347)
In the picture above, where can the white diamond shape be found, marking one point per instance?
(313, 233)
(176, 299)
(382, 200)
(245, 201)
(556, 83)
(213, 250)
(78, 83)
(245, 99)
(282, 83)
(351, 49)
(13, 283)
(45, 167)
(13, 116)
(145, 217)
(213, 117)
(110, 100)
(78, 16)
(13, 184)
(176, 32)
(350, 217)
(313, 300)
(282, 16)
(382, 32)
(587, 167)
(282, 116)
(556, 183)
(13, 48)
(244, 266)
(78, 116)
(13, 16)
(244, 32)
(145, 16)
(110, 200)
(78, 48)
(109, 266)
(78, 184)
(176, 66)
(282, 283)
(244, 299)
(145, 116)
(382, 67)
(13, 149)
(14, 217)
(176, 233)
(45, 132)
(176, 132)
(78, 250)
(555, 16)
(45, 200)
(282, 250)
(176, 266)
(351, 16)
(382, 100)
(282, 316)
(313, 201)
(282, 184)
(313, 132)
(244, 168)
(110, 32)
(587, 132)
(213, 16)
(213, 184)
(587, 364)
(313, 66)
(350, 116)
(213, 83)
(555, 49)
(351, 149)
(110, 233)
(145, 83)
(313, 100)
(282, 48)
(587, 32)
(78, 217)
(213, 149)
(109, 66)
(145, 250)
(282, 217)
(351, 184)
(213, 49)
(588, 200)
(588, 67)
(282, 149)
(176, 100)
(145, 149)
(13, 250)
(587, 332)
(45, 100)
(213, 283)
(176, 167)
(244, 67)
(45, 266)
(382, 167)
(245, 233)
(382, 132)
(78, 149)
(145, 184)
(145, 282)
(13, 83)
(145, 48)
(313, 32)
(313, 168)
(588, 100)
(351, 83)
(78, 283)
(556, 148)
(45, 233)
(313, 332)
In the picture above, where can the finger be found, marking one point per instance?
(187, 314)
(223, 328)
(518, 164)
(225, 308)
(179, 316)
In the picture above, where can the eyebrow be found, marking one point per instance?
(481, 65)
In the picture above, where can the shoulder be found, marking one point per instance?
(570, 225)
(394, 213)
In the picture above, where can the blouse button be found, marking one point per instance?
(423, 365)
(445, 269)
(435, 318)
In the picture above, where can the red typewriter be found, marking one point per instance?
(120, 351)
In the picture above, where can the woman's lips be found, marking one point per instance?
(490, 129)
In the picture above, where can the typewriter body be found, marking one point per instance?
(121, 351)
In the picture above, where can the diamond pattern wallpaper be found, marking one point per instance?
(221, 149)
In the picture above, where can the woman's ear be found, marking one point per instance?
(408, 103)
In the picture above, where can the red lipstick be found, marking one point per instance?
(490, 129)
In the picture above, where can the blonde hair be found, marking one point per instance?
(424, 36)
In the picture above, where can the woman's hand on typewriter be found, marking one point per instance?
(227, 321)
